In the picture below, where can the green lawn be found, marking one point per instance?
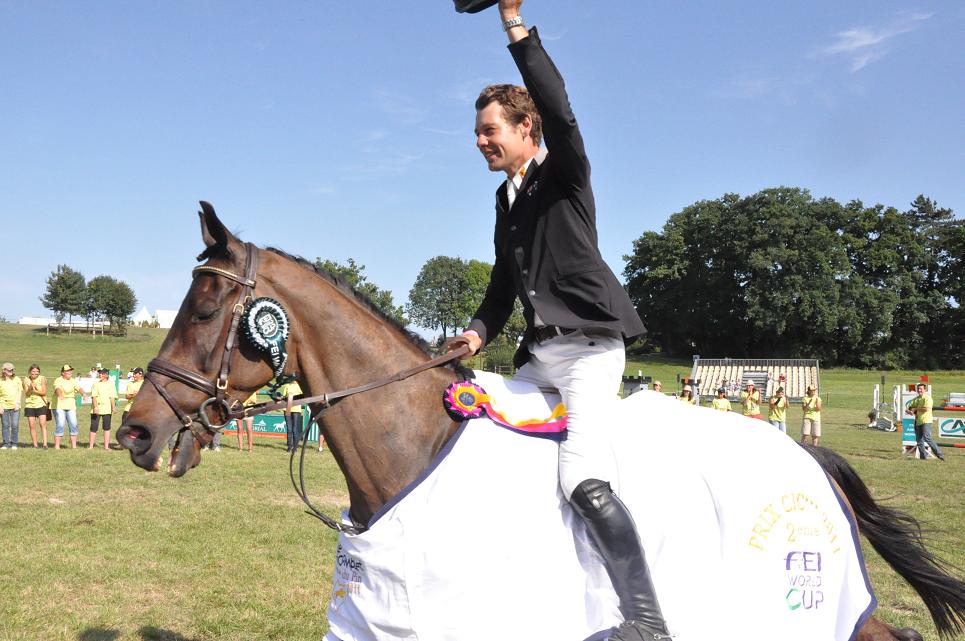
(95, 549)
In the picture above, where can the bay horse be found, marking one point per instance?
(338, 339)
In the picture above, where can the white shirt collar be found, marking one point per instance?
(513, 184)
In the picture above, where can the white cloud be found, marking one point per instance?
(389, 163)
(373, 135)
(467, 91)
(781, 90)
(402, 108)
(865, 44)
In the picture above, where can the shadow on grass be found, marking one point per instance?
(98, 634)
(150, 633)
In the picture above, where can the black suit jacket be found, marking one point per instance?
(546, 245)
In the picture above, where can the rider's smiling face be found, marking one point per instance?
(504, 146)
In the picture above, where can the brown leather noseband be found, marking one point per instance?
(198, 422)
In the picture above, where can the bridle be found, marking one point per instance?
(232, 409)
(198, 422)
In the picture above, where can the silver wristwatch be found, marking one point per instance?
(513, 22)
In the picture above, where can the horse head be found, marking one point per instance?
(195, 348)
(381, 440)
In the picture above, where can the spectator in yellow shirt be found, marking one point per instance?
(921, 406)
(687, 396)
(751, 401)
(133, 387)
(721, 403)
(293, 419)
(777, 416)
(66, 389)
(103, 396)
(811, 426)
(247, 424)
(35, 403)
(11, 391)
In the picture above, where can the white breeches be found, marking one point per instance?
(587, 371)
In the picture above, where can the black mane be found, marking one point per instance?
(340, 282)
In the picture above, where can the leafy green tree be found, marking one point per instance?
(66, 293)
(111, 300)
(121, 306)
(446, 293)
(780, 274)
(354, 274)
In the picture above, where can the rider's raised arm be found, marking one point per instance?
(546, 87)
(512, 21)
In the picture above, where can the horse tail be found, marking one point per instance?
(897, 537)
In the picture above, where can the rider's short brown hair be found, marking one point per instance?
(516, 104)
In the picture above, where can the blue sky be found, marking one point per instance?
(345, 129)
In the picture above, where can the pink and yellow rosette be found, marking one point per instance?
(465, 400)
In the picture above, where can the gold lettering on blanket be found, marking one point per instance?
(802, 517)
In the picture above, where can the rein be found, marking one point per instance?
(328, 400)
(200, 425)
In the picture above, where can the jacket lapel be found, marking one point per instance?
(502, 201)
(531, 178)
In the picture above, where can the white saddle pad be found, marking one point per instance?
(742, 531)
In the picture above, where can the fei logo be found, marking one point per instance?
(803, 561)
(804, 577)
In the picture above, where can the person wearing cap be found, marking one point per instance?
(777, 410)
(921, 407)
(578, 315)
(66, 389)
(35, 403)
(811, 425)
(11, 394)
(658, 386)
(133, 387)
(750, 400)
(721, 403)
(103, 396)
(687, 396)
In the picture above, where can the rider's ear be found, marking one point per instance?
(214, 234)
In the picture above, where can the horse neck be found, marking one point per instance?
(384, 438)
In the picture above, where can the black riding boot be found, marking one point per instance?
(612, 530)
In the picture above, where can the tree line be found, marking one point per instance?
(780, 274)
(103, 298)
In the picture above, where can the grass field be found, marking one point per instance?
(94, 549)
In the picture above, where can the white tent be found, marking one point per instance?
(165, 317)
(142, 316)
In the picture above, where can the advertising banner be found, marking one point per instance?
(951, 427)
(907, 420)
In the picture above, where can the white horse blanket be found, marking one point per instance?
(743, 533)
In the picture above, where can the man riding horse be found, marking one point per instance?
(578, 316)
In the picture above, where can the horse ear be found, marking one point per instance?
(215, 235)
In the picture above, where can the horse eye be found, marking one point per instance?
(201, 317)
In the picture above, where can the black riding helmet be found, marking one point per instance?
(473, 6)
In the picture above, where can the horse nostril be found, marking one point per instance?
(136, 433)
(135, 438)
